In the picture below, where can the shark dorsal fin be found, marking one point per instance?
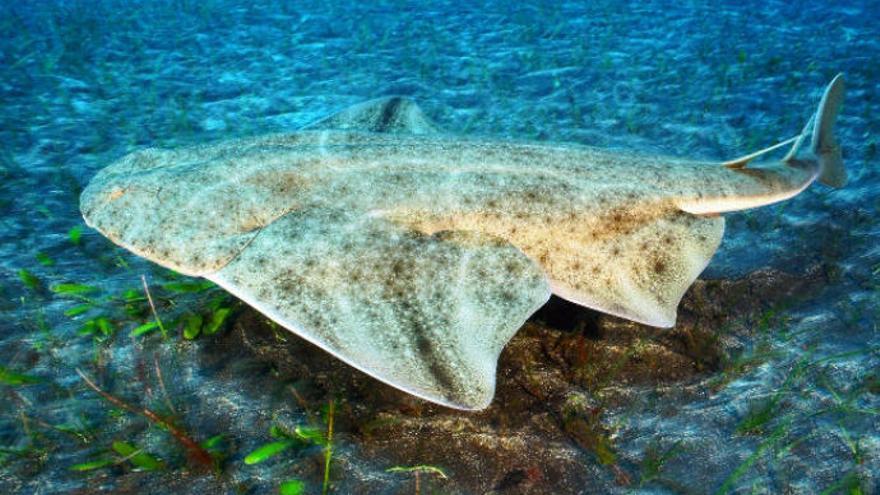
(742, 161)
(390, 114)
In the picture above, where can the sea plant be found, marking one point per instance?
(195, 452)
(11, 378)
(300, 436)
(655, 459)
(417, 471)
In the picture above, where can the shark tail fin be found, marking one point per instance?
(824, 148)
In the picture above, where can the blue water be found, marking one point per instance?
(84, 82)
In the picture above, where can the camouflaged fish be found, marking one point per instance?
(415, 255)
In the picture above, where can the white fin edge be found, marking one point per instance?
(296, 329)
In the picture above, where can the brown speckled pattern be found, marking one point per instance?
(427, 313)
(415, 256)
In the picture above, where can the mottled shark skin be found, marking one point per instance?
(415, 255)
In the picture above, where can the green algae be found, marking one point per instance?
(267, 451)
(30, 280)
(144, 329)
(73, 290)
(217, 320)
(192, 325)
(769, 443)
(44, 259)
(300, 437)
(93, 465)
(78, 310)
(328, 446)
(655, 458)
(292, 487)
(584, 425)
(11, 378)
(850, 484)
(137, 457)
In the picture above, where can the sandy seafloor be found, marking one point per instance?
(84, 82)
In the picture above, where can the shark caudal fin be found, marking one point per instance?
(740, 185)
(824, 148)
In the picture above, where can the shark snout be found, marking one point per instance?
(109, 205)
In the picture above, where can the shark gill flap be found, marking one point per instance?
(428, 314)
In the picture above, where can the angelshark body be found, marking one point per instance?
(414, 255)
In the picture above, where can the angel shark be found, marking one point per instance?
(415, 255)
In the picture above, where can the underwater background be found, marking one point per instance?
(768, 384)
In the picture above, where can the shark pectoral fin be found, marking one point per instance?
(391, 114)
(428, 314)
(639, 274)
